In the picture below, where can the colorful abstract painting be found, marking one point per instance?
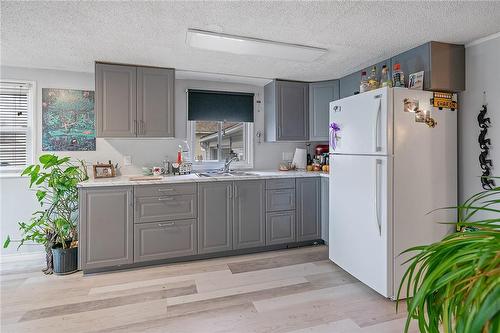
(68, 120)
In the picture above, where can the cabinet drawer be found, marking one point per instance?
(280, 227)
(273, 184)
(170, 207)
(277, 200)
(166, 189)
(162, 240)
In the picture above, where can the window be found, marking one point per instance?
(220, 126)
(16, 105)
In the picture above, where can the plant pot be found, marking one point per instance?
(65, 260)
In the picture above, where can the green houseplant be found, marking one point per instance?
(455, 283)
(54, 180)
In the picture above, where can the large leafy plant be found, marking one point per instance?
(455, 283)
(54, 180)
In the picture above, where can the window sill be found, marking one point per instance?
(11, 173)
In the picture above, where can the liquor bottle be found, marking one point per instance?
(373, 82)
(363, 86)
(385, 80)
(398, 77)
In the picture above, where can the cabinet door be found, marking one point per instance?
(280, 227)
(308, 209)
(320, 96)
(116, 100)
(324, 209)
(106, 227)
(215, 222)
(249, 223)
(162, 240)
(292, 102)
(155, 102)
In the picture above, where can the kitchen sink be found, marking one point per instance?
(226, 174)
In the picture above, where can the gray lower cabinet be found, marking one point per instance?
(280, 227)
(308, 209)
(320, 96)
(215, 221)
(325, 203)
(249, 222)
(163, 240)
(115, 100)
(106, 227)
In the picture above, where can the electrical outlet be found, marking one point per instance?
(127, 160)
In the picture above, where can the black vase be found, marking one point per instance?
(65, 260)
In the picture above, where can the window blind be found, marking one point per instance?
(14, 124)
(220, 106)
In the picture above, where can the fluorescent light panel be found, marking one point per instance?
(207, 40)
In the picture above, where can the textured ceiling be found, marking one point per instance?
(71, 35)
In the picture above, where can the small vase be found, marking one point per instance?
(65, 260)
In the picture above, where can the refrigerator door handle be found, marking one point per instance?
(378, 164)
(376, 134)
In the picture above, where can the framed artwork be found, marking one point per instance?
(68, 120)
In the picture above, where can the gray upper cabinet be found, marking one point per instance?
(106, 227)
(155, 102)
(134, 101)
(320, 96)
(443, 65)
(249, 223)
(286, 105)
(116, 100)
(215, 221)
(308, 209)
(349, 84)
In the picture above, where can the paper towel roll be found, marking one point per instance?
(300, 158)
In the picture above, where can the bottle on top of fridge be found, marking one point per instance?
(385, 80)
(373, 82)
(398, 77)
(363, 86)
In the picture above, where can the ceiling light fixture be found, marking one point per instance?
(213, 41)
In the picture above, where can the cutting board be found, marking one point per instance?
(139, 178)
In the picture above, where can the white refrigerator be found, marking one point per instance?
(388, 171)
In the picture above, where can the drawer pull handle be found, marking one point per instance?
(165, 199)
(282, 192)
(166, 224)
(165, 189)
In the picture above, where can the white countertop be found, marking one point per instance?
(125, 180)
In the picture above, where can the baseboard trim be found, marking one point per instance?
(13, 257)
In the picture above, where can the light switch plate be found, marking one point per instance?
(127, 160)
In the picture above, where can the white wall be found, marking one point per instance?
(482, 74)
(17, 202)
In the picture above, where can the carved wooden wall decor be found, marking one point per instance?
(484, 143)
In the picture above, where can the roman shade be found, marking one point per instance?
(220, 106)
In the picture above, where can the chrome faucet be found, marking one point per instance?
(228, 163)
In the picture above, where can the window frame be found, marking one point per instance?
(14, 171)
(247, 138)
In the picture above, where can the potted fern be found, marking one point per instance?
(55, 224)
(455, 283)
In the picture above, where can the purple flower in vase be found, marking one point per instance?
(334, 130)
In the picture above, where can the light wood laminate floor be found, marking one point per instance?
(295, 290)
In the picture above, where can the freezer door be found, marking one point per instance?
(365, 122)
(359, 239)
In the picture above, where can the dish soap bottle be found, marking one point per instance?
(385, 80)
(363, 86)
(372, 79)
(398, 77)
